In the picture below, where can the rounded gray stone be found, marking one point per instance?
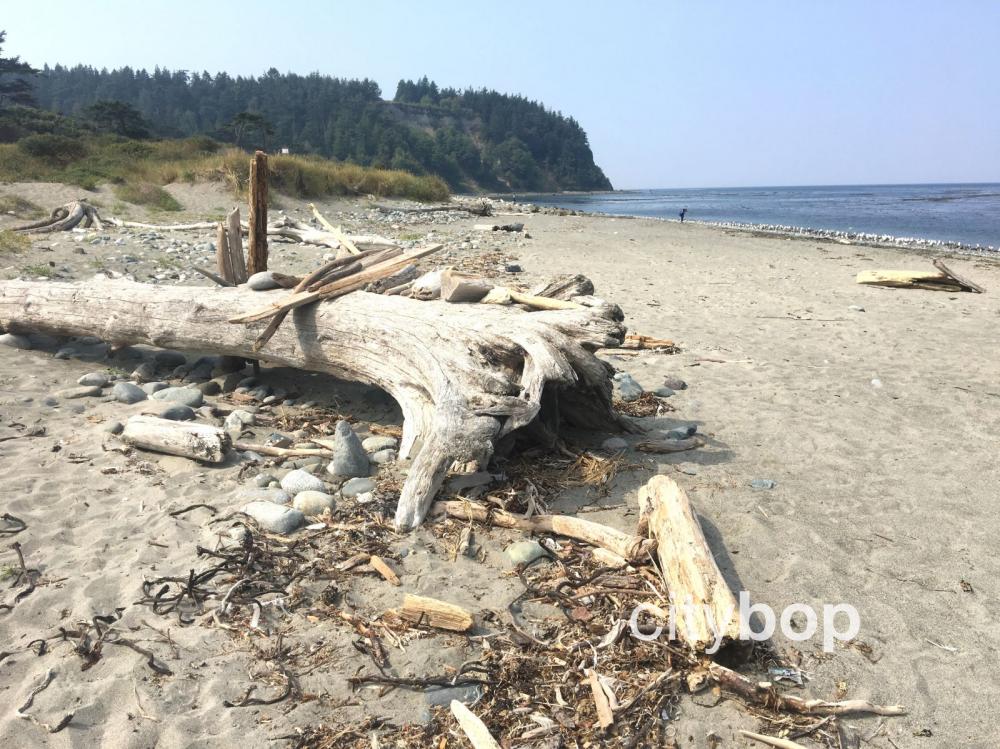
(274, 518)
(379, 442)
(126, 392)
(154, 387)
(94, 379)
(83, 391)
(383, 456)
(354, 487)
(312, 503)
(625, 387)
(298, 481)
(263, 281)
(179, 412)
(349, 457)
(263, 494)
(13, 340)
(169, 359)
(524, 552)
(114, 427)
(185, 396)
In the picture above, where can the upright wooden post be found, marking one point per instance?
(235, 241)
(222, 256)
(257, 250)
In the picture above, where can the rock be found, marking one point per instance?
(625, 387)
(681, 432)
(178, 412)
(66, 352)
(663, 392)
(763, 484)
(674, 383)
(13, 340)
(365, 498)
(301, 481)
(274, 518)
(239, 419)
(50, 401)
(113, 427)
(856, 308)
(229, 382)
(169, 359)
(354, 487)
(84, 391)
(145, 372)
(212, 387)
(260, 494)
(378, 442)
(349, 457)
(264, 479)
(154, 387)
(443, 697)
(263, 281)
(614, 444)
(513, 268)
(277, 439)
(94, 379)
(525, 552)
(312, 503)
(186, 396)
(689, 470)
(383, 456)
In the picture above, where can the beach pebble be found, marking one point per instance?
(681, 432)
(13, 340)
(277, 439)
(186, 396)
(312, 503)
(354, 487)
(365, 498)
(876, 383)
(210, 387)
(443, 697)
(513, 268)
(84, 391)
(383, 457)
(614, 444)
(229, 382)
(178, 412)
(349, 457)
(154, 387)
(169, 359)
(239, 535)
(689, 470)
(263, 281)
(264, 480)
(273, 517)
(378, 442)
(94, 379)
(674, 383)
(126, 392)
(626, 387)
(525, 552)
(262, 494)
(51, 401)
(856, 308)
(763, 484)
(301, 481)
(239, 419)
(145, 372)
(113, 427)
(663, 392)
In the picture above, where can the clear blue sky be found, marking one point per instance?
(672, 94)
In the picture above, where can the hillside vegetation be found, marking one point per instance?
(473, 139)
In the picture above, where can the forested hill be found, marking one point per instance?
(474, 139)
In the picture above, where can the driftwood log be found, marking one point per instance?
(187, 439)
(66, 217)
(464, 379)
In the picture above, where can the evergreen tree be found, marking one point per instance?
(14, 88)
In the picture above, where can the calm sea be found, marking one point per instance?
(968, 214)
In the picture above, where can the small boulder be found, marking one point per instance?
(663, 392)
(263, 281)
(312, 503)
(94, 379)
(349, 457)
(211, 387)
(273, 517)
(354, 487)
(186, 396)
(525, 552)
(178, 412)
(625, 387)
(298, 481)
(674, 383)
(145, 372)
(239, 419)
(127, 392)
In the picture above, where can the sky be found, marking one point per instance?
(701, 93)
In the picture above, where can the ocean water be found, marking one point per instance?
(964, 214)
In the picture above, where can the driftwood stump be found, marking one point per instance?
(465, 377)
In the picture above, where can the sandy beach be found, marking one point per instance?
(875, 413)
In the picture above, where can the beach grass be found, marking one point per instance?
(12, 242)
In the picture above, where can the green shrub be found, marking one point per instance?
(54, 149)
(145, 193)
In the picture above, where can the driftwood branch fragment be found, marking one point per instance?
(669, 446)
(943, 280)
(630, 548)
(187, 439)
(379, 565)
(605, 716)
(708, 615)
(64, 218)
(772, 740)
(434, 613)
(475, 730)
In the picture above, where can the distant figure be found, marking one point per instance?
(683, 213)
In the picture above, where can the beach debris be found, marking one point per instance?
(649, 343)
(431, 612)
(605, 716)
(22, 711)
(772, 740)
(688, 566)
(943, 280)
(379, 565)
(198, 441)
(669, 446)
(475, 730)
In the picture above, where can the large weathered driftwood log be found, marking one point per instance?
(464, 380)
(706, 609)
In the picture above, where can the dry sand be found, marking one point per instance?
(880, 428)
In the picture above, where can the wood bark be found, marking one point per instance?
(629, 547)
(434, 613)
(706, 610)
(64, 218)
(234, 241)
(257, 218)
(463, 381)
(187, 439)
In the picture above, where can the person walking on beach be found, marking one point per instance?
(683, 213)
